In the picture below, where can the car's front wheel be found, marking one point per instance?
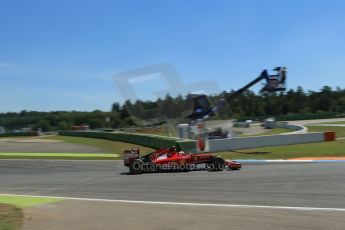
(216, 164)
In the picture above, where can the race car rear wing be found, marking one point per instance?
(130, 155)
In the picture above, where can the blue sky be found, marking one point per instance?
(61, 55)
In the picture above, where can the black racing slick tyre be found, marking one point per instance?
(216, 164)
(136, 167)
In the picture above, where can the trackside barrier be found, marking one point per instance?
(20, 134)
(296, 117)
(267, 141)
(153, 141)
(330, 136)
(295, 129)
(215, 145)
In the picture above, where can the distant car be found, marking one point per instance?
(172, 160)
(244, 124)
(269, 123)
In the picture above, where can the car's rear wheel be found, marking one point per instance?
(216, 164)
(136, 167)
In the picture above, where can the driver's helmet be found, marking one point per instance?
(172, 149)
(181, 153)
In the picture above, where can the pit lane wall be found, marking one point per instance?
(267, 141)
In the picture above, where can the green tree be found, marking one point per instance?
(44, 125)
(63, 125)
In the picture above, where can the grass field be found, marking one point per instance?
(336, 148)
(26, 201)
(320, 149)
(112, 150)
(270, 132)
(160, 130)
(61, 156)
(11, 217)
(334, 122)
(340, 131)
(116, 147)
(11, 214)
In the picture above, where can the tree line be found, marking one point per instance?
(248, 105)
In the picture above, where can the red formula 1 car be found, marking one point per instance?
(173, 160)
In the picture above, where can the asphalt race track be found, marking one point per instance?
(300, 184)
(319, 185)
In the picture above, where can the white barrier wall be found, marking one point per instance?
(263, 141)
(298, 129)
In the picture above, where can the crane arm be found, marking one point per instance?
(263, 75)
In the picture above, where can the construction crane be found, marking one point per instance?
(202, 109)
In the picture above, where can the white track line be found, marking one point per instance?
(188, 204)
(272, 161)
(289, 161)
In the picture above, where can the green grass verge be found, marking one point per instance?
(116, 147)
(270, 132)
(340, 131)
(26, 201)
(320, 149)
(160, 130)
(21, 137)
(334, 122)
(112, 150)
(11, 217)
(61, 156)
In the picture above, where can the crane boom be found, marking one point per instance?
(274, 83)
(263, 75)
